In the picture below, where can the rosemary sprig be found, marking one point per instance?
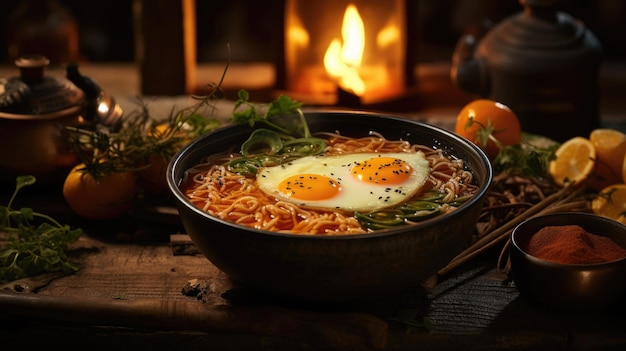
(128, 144)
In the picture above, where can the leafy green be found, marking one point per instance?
(36, 242)
(262, 140)
(284, 133)
(530, 158)
(274, 115)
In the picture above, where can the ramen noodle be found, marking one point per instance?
(237, 198)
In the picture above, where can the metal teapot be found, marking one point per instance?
(542, 63)
(34, 108)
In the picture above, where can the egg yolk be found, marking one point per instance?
(309, 187)
(382, 170)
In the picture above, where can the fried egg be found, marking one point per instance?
(361, 182)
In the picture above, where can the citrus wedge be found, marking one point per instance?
(603, 176)
(611, 202)
(574, 161)
(610, 147)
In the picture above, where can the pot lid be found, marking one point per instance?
(33, 95)
(539, 34)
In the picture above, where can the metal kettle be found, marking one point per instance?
(35, 108)
(542, 63)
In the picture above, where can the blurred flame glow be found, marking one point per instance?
(342, 59)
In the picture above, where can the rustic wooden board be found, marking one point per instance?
(130, 291)
(134, 290)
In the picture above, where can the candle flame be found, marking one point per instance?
(342, 60)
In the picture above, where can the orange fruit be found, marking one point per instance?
(488, 124)
(611, 202)
(153, 178)
(168, 140)
(574, 161)
(182, 133)
(108, 197)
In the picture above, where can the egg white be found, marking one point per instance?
(354, 195)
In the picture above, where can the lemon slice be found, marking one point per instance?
(574, 162)
(611, 202)
(603, 176)
(610, 147)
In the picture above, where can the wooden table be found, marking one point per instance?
(138, 288)
(134, 292)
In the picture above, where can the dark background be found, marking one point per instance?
(253, 27)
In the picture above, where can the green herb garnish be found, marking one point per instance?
(273, 115)
(427, 205)
(284, 133)
(530, 158)
(36, 242)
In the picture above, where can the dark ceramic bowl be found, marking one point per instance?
(333, 268)
(568, 286)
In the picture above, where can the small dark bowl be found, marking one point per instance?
(318, 268)
(568, 287)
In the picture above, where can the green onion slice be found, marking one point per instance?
(245, 165)
(262, 141)
(304, 146)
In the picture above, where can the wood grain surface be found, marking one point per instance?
(132, 286)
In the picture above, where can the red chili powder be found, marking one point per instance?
(571, 244)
